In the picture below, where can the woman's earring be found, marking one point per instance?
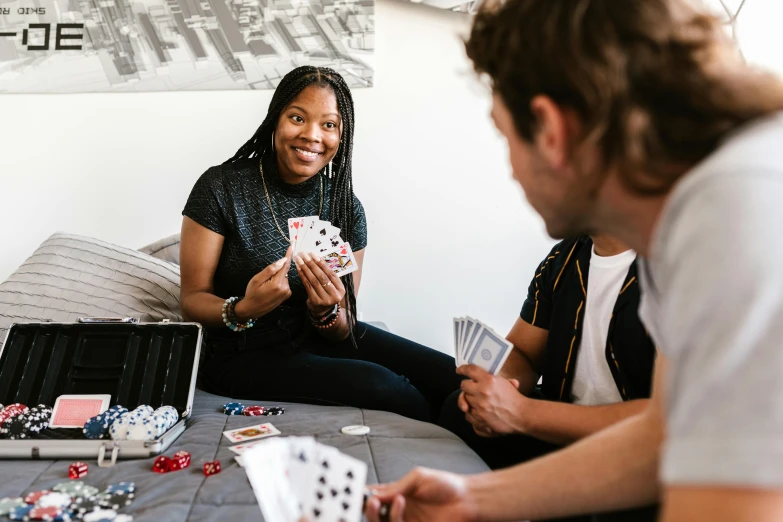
(330, 170)
(273, 141)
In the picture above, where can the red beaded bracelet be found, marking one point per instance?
(330, 323)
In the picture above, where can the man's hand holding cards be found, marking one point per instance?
(310, 235)
(477, 343)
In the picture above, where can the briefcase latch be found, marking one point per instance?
(102, 454)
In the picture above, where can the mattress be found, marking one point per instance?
(394, 446)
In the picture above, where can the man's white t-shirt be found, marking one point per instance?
(712, 298)
(593, 382)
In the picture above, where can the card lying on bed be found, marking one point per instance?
(311, 235)
(477, 343)
(296, 477)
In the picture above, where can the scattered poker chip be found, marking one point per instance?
(76, 488)
(9, 503)
(21, 512)
(83, 505)
(100, 515)
(55, 499)
(121, 487)
(115, 500)
(233, 408)
(253, 411)
(46, 513)
(35, 496)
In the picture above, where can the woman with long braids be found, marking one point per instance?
(285, 329)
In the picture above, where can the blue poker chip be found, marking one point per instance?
(233, 408)
(21, 512)
(121, 487)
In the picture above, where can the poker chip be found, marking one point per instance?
(233, 408)
(100, 515)
(76, 488)
(82, 505)
(12, 410)
(55, 499)
(98, 427)
(254, 411)
(115, 500)
(35, 496)
(21, 512)
(46, 513)
(9, 503)
(121, 487)
(275, 410)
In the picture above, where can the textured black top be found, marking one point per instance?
(229, 199)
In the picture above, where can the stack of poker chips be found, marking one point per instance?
(98, 427)
(144, 423)
(237, 408)
(27, 424)
(72, 500)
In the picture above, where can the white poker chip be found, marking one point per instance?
(56, 499)
(357, 429)
(100, 514)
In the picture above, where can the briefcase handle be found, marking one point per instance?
(103, 320)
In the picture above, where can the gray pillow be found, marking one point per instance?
(166, 249)
(69, 277)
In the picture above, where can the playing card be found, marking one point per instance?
(306, 239)
(295, 228)
(489, 351)
(328, 242)
(265, 465)
(239, 449)
(456, 342)
(339, 487)
(259, 431)
(301, 468)
(318, 238)
(341, 260)
(72, 411)
(471, 330)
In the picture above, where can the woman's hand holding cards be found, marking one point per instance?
(324, 288)
(267, 290)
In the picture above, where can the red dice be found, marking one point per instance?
(77, 470)
(181, 460)
(212, 468)
(162, 465)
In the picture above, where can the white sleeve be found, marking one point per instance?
(721, 314)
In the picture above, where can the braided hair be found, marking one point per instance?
(342, 197)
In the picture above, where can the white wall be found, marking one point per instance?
(449, 232)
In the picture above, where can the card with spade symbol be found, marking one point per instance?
(339, 487)
(314, 236)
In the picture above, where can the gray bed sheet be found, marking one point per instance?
(393, 447)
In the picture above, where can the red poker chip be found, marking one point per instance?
(45, 513)
(35, 496)
(12, 410)
(254, 411)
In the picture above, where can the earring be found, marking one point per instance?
(330, 170)
(273, 141)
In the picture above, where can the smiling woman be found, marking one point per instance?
(282, 328)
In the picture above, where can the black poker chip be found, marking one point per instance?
(83, 505)
(115, 501)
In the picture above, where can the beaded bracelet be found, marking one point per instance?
(230, 318)
(328, 320)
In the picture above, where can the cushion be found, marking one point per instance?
(70, 276)
(166, 249)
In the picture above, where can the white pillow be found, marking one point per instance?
(69, 277)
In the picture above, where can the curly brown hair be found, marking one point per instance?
(657, 83)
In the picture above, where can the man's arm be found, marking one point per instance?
(524, 362)
(611, 470)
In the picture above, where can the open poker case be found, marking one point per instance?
(136, 363)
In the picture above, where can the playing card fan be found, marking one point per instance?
(477, 343)
(310, 235)
(296, 477)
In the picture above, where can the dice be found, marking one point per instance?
(180, 460)
(77, 470)
(162, 464)
(212, 467)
